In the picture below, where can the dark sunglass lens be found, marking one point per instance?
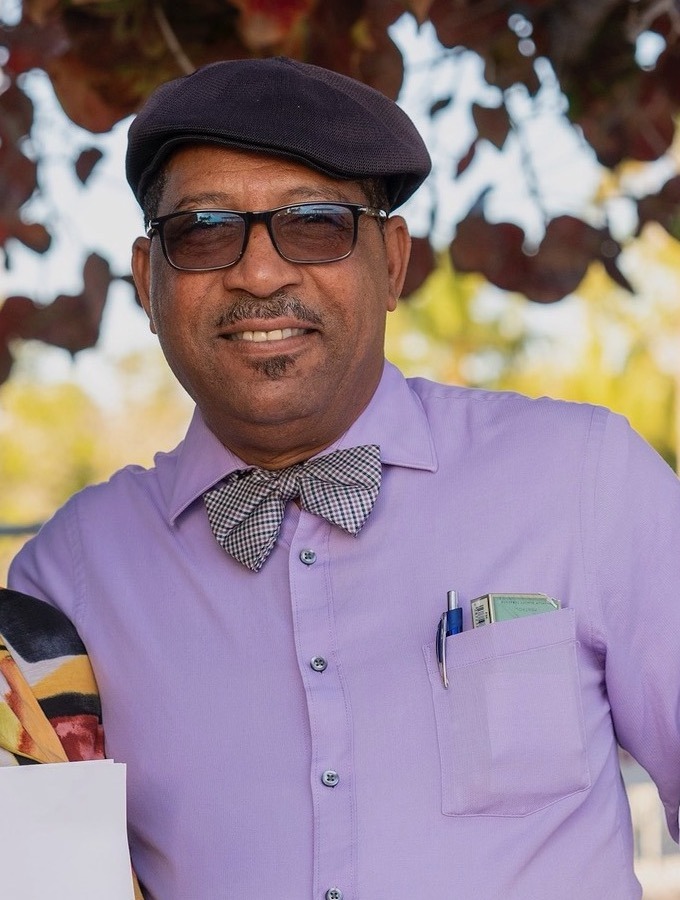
(204, 240)
(314, 232)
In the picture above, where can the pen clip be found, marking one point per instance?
(441, 648)
(451, 622)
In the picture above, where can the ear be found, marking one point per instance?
(141, 273)
(398, 247)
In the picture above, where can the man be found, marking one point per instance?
(294, 723)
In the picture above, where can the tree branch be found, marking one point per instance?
(170, 38)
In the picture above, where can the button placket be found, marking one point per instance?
(313, 617)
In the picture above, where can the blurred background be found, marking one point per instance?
(546, 256)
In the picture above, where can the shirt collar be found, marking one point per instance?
(394, 419)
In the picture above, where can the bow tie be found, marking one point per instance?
(246, 510)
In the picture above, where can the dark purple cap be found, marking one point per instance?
(286, 108)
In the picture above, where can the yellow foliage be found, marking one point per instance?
(453, 331)
(55, 439)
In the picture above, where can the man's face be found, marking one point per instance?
(276, 400)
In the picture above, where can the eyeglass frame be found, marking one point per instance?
(156, 227)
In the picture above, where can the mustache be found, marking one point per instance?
(274, 307)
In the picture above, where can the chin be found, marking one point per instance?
(274, 367)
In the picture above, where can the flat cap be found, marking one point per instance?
(320, 118)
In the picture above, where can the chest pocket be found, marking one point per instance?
(510, 726)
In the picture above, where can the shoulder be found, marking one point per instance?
(590, 441)
(87, 537)
(96, 514)
(505, 408)
(133, 482)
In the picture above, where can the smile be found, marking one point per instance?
(279, 334)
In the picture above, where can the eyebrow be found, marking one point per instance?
(297, 194)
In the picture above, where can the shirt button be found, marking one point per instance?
(308, 557)
(318, 663)
(330, 778)
(333, 894)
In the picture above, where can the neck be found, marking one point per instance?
(272, 447)
(276, 461)
(277, 444)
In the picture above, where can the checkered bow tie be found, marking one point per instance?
(246, 510)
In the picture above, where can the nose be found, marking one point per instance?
(261, 270)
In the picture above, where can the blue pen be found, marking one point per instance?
(450, 623)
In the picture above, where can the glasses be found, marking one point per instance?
(201, 240)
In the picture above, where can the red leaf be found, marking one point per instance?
(632, 119)
(6, 362)
(616, 274)
(86, 162)
(554, 271)
(70, 322)
(662, 207)
(491, 249)
(16, 113)
(32, 234)
(493, 123)
(96, 280)
(561, 262)
(18, 178)
(15, 312)
(465, 161)
(78, 89)
(420, 265)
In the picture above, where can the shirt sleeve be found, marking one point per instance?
(635, 559)
(46, 568)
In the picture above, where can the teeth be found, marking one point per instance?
(258, 336)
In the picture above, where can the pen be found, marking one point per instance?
(451, 622)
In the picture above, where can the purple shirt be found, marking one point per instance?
(233, 695)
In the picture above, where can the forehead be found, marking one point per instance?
(203, 174)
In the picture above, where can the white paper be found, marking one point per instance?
(63, 833)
